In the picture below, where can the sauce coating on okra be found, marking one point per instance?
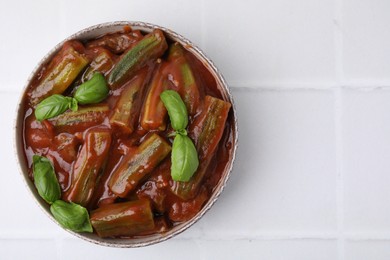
(113, 155)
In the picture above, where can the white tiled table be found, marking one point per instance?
(311, 80)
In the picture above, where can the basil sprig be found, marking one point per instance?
(53, 106)
(70, 215)
(177, 110)
(184, 156)
(90, 92)
(45, 179)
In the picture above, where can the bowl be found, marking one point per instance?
(91, 33)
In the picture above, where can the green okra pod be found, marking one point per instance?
(154, 113)
(126, 110)
(123, 219)
(88, 165)
(207, 131)
(150, 47)
(137, 165)
(80, 120)
(183, 76)
(60, 73)
(103, 63)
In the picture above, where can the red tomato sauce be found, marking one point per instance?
(62, 145)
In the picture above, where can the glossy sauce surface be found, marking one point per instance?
(62, 145)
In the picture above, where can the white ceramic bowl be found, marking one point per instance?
(91, 33)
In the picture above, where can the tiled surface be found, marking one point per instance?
(211, 249)
(277, 42)
(363, 250)
(312, 89)
(365, 134)
(165, 13)
(29, 29)
(366, 29)
(11, 249)
(277, 140)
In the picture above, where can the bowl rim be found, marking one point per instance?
(221, 82)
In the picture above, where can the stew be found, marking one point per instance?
(95, 113)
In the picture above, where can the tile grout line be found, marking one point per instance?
(340, 176)
(308, 86)
(339, 69)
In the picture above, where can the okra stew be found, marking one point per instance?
(126, 135)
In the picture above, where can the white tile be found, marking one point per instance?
(284, 179)
(367, 250)
(270, 250)
(366, 39)
(29, 29)
(22, 216)
(182, 17)
(171, 249)
(28, 249)
(203, 249)
(366, 161)
(271, 42)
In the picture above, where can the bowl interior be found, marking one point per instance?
(94, 32)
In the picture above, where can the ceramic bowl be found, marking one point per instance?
(94, 32)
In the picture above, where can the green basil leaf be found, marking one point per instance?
(176, 109)
(45, 179)
(74, 106)
(53, 106)
(92, 91)
(184, 158)
(71, 216)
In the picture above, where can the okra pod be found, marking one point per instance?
(117, 42)
(103, 63)
(88, 165)
(150, 47)
(206, 131)
(136, 166)
(123, 219)
(183, 77)
(126, 110)
(154, 114)
(80, 120)
(60, 73)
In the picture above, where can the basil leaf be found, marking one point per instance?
(92, 91)
(45, 179)
(71, 216)
(53, 106)
(74, 106)
(176, 109)
(184, 158)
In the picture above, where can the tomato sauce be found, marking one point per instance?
(63, 145)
